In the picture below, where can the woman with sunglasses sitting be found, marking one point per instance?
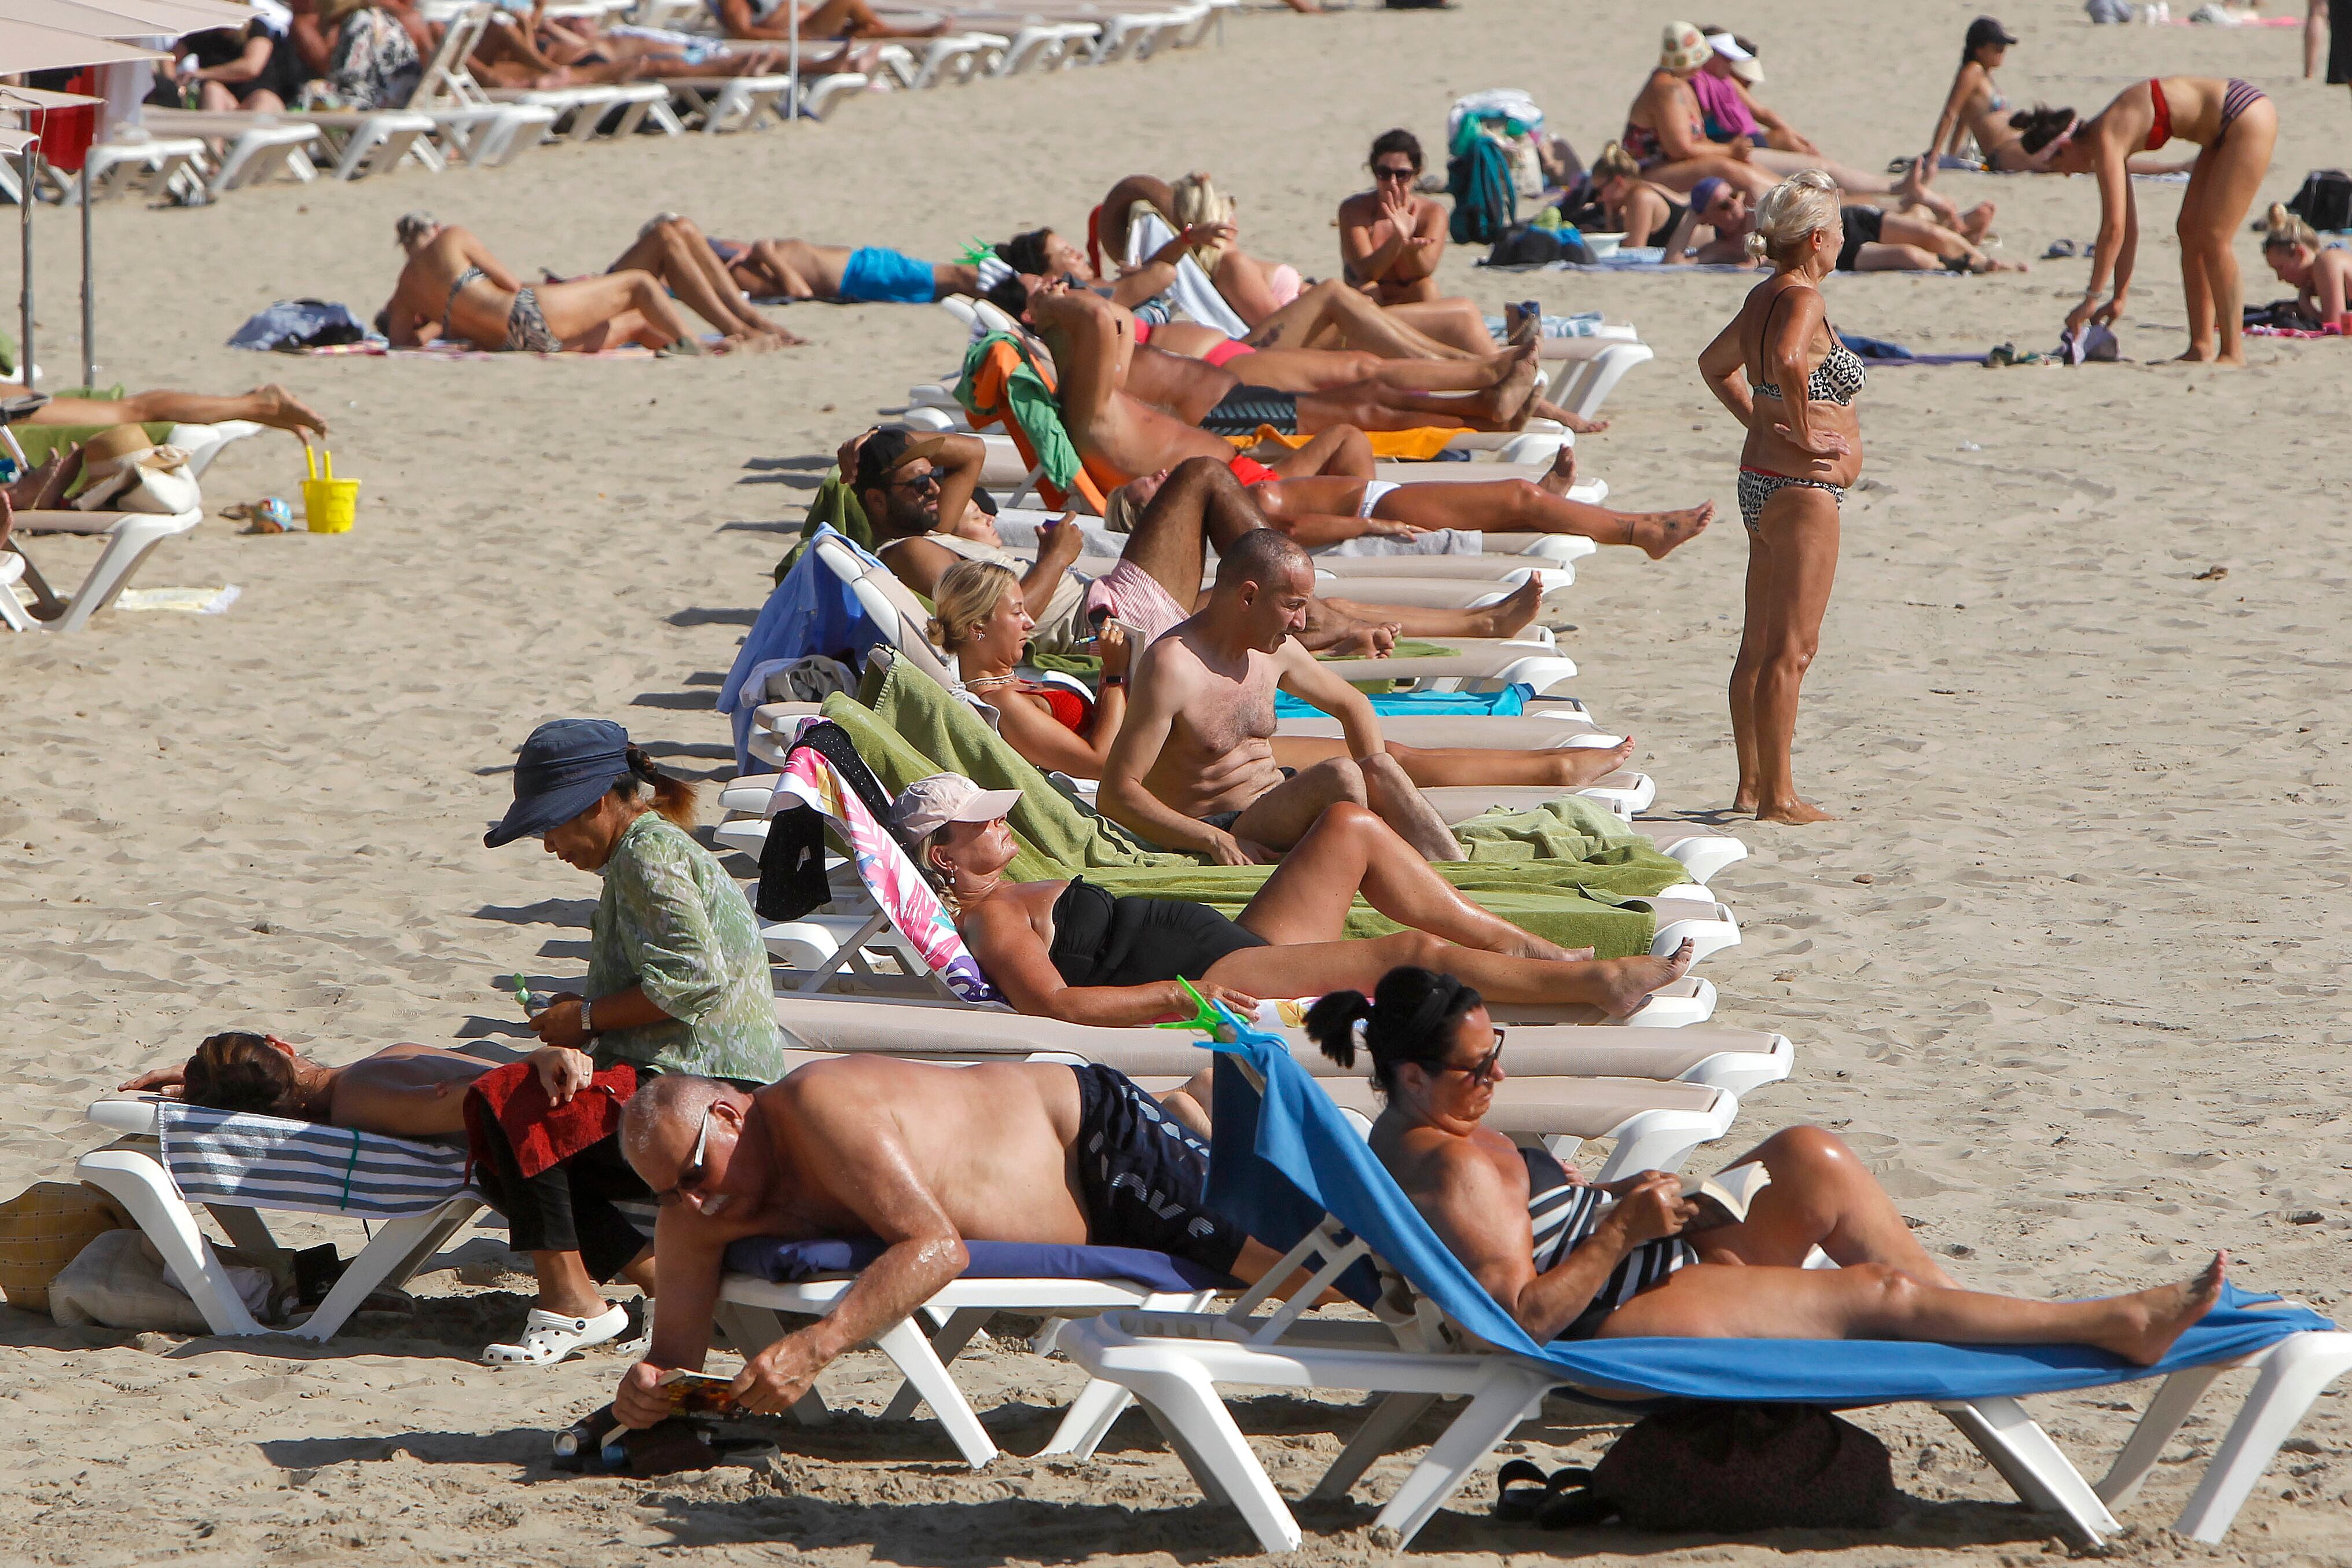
(1392, 239)
(1576, 1261)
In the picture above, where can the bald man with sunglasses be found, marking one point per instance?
(921, 1156)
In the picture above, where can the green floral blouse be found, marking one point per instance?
(672, 921)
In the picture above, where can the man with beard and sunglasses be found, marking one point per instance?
(920, 1156)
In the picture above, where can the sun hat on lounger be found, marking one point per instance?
(559, 773)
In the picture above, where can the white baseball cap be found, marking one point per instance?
(929, 804)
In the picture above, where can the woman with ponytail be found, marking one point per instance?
(678, 982)
(2322, 279)
(1572, 1261)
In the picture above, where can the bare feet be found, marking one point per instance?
(276, 407)
(1547, 409)
(1361, 641)
(1522, 943)
(1626, 983)
(1514, 394)
(2152, 1320)
(1562, 476)
(1505, 617)
(1792, 811)
(1977, 222)
(1658, 533)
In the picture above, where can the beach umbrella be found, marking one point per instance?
(29, 47)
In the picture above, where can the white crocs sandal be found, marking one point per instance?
(548, 1338)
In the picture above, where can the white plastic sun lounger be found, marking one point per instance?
(413, 1194)
(1173, 1361)
(581, 111)
(129, 536)
(953, 59)
(716, 104)
(261, 147)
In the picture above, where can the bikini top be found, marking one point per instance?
(1837, 379)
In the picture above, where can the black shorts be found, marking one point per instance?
(1144, 1175)
(1224, 821)
(1241, 411)
(1862, 228)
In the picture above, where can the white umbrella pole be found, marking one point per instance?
(792, 65)
(88, 300)
(24, 294)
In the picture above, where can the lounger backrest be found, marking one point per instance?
(890, 603)
(448, 81)
(268, 1161)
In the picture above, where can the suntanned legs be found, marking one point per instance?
(674, 251)
(1684, 172)
(1438, 767)
(270, 405)
(1457, 323)
(1517, 505)
(1281, 817)
(1505, 405)
(1199, 503)
(569, 1290)
(1791, 563)
(1751, 1283)
(1330, 314)
(1327, 370)
(2221, 188)
(591, 313)
(844, 19)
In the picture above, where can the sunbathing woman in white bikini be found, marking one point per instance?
(454, 288)
(2236, 125)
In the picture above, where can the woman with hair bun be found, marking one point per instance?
(1574, 1260)
(2322, 279)
(1782, 369)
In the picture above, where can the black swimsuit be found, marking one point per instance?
(1100, 940)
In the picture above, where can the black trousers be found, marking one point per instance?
(569, 1206)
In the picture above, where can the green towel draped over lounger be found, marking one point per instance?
(1556, 871)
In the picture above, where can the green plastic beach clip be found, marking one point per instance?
(522, 989)
(1208, 1017)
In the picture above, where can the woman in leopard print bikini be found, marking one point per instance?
(1801, 453)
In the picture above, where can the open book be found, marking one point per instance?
(1722, 1198)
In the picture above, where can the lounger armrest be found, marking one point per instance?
(126, 1114)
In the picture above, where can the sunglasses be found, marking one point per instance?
(1393, 171)
(928, 480)
(1482, 1072)
(696, 1169)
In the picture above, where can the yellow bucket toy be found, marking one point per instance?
(331, 504)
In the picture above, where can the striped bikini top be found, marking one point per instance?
(1837, 379)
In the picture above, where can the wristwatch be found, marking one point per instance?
(1110, 681)
(585, 1026)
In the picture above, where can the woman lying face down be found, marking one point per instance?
(1575, 1261)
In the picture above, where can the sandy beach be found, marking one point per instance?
(2066, 968)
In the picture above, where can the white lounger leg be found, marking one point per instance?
(947, 1344)
(396, 1251)
(751, 1330)
(2291, 1376)
(2032, 1466)
(1508, 1396)
(912, 1353)
(2174, 1400)
(145, 1190)
(1184, 1404)
(127, 545)
(1101, 1403)
(1388, 1422)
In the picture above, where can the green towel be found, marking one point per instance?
(835, 502)
(1406, 648)
(1533, 868)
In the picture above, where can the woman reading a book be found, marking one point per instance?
(1657, 1255)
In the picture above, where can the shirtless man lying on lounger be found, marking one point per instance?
(1194, 766)
(1331, 507)
(452, 286)
(923, 1157)
(906, 485)
(1129, 398)
(840, 274)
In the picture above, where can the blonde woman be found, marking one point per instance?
(1782, 372)
(983, 623)
(2235, 126)
(1643, 212)
(2322, 279)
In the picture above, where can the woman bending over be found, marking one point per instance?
(1574, 1261)
(2236, 125)
(1072, 951)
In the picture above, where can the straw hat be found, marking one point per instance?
(1684, 50)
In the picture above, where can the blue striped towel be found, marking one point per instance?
(267, 1162)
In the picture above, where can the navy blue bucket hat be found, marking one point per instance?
(559, 773)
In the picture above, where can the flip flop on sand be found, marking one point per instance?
(548, 1338)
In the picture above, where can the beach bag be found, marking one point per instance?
(1485, 199)
(1723, 1469)
(2326, 200)
(293, 324)
(1524, 245)
(120, 1281)
(45, 1228)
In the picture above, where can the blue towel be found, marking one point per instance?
(1284, 1160)
(1510, 701)
(811, 612)
(789, 1262)
(1873, 348)
(299, 324)
(875, 275)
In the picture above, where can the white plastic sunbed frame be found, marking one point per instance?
(129, 538)
(138, 1180)
(261, 147)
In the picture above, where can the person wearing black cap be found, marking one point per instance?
(1976, 109)
(678, 982)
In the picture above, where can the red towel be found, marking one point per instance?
(543, 1133)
